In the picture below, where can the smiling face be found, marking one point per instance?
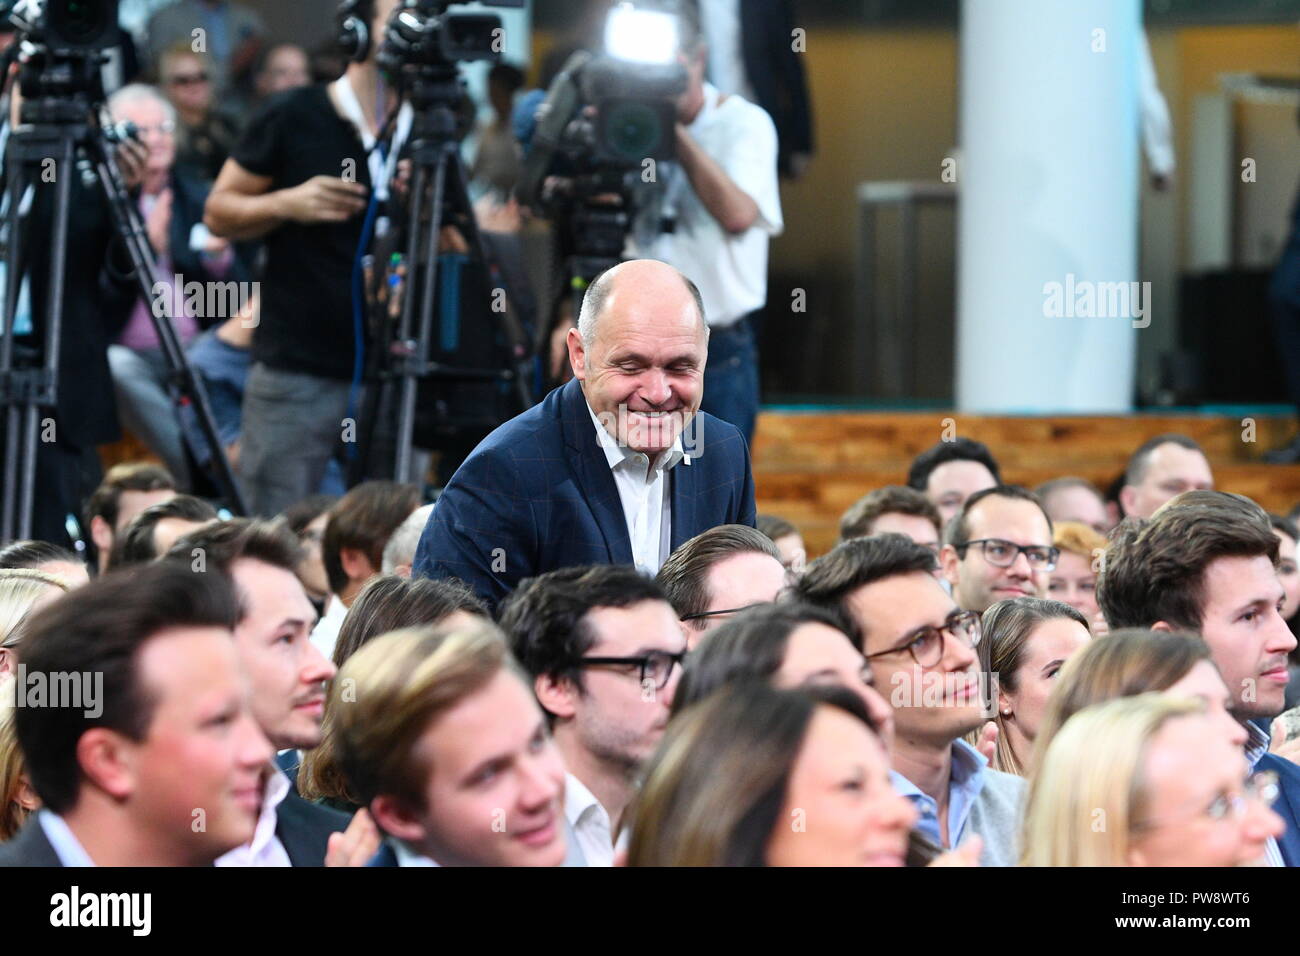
(1249, 639)
(494, 793)
(642, 371)
(1075, 583)
(839, 788)
(1046, 650)
(977, 583)
(1189, 769)
(287, 672)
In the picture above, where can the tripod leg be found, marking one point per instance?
(428, 274)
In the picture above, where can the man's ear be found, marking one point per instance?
(102, 534)
(356, 564)
(392, 816)
(948, 563)
(107, 758)
(577, 354)
(1162, 626)
(558, 696)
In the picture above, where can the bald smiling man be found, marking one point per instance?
(619, 466)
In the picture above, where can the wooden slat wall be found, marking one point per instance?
(809, 467)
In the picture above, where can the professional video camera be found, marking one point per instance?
(61, 48)
(605, 121)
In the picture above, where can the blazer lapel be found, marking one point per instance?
(685, 503)
(592, 471)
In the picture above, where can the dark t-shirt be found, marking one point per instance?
(306, 322)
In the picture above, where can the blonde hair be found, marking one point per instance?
(390, 691)
(20, 588)
(12, 766)
(1077, 538)
(1090, 790)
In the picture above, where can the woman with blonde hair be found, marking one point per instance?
(22, 591)
(1074, 580)
(17, 798)
(1145, 781)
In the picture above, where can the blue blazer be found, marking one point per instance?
(1287, 805)
(537, 495)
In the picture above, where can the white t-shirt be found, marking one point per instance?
(731, 271)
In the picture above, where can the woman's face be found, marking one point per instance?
(816, 654)
(1288, 573)
(1046, 650)
(1196, 811)
(840, 807)
(1075, 583)
(1204, 683)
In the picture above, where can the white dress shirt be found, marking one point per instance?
(590, 823)
(265, 849)
(408, 857)
(644, 492)
(730, 271)
(63, 841)
(1257, 744)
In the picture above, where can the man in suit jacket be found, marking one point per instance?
(1206, 562)
(121, 764)
(619, 466)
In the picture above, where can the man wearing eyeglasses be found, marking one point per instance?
(998, 548)
(604, 649)
(921, 647)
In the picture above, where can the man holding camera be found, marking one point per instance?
(304, 176)
(717, 210)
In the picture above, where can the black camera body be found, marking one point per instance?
(424, 34)
(64, 43)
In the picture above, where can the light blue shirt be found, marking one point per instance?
(1257, 746)
(964, 786)
(64, 843)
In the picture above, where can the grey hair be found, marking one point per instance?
(137, 92)
(401, 545)
(593, 304)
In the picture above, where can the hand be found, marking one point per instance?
(132, 157)
(355, 845)
(988, 744)
(968, 854)
(495, 216)
(323, 199)
(159, 222)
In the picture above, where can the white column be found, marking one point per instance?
(1047, 225)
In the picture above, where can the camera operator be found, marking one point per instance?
(717, 209)
(304, 178)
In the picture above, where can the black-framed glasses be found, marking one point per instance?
(1262, 787)
(732, 610)
(1003, 554)
(926, 644)
(655, 666)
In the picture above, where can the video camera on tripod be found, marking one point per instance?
(606, 120)
(61, 48)
(450, 364)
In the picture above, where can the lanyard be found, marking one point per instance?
(382, 160)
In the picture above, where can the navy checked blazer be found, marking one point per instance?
(537, 495)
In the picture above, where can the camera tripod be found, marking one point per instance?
(63, 127)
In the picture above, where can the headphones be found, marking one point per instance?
(354, 18)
